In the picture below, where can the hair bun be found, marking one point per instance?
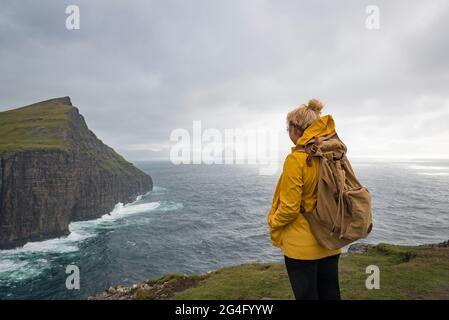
(315, 105)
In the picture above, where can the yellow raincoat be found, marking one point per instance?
(297, 186)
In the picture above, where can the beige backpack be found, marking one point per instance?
(343, 211)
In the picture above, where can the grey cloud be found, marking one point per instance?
(139, 69)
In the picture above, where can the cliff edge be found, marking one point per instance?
(406, 273)
(54, 170)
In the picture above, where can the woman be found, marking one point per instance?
(312, 269)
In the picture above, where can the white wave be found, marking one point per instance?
(28, 262)
(17, 270)
(158, 190)
(142, 196)
(56, 245)
(81, 230)
(171, 206)
(11, 265)
(120, 211)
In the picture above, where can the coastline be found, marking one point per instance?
(406, 273)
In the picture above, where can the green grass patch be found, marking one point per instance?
(248, 281)
(45, 125)
(36, 126)
(405, 273)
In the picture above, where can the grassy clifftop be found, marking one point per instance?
(406, 272)
(35, 126)
(56, 124)
(50, 158)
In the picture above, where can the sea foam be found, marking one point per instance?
(22, 263)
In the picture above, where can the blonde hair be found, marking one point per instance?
(305, 114)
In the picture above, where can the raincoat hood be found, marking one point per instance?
(319, 128)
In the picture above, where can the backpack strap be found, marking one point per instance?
(309, 156)
(314, 149)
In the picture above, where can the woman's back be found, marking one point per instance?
(312, 269)
(297, 187)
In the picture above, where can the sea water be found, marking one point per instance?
(202, 217)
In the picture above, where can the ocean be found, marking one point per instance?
(202, 217)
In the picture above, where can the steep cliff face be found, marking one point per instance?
(54, 170)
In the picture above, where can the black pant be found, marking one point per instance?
(314, 279)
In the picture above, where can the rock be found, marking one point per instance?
(443, 244)
(111, 290)
(359, 248)
(57, 171)
(121, 289)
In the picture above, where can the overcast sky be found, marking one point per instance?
(139, 69)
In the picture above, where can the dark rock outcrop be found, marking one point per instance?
(57, 171)
(359, 248)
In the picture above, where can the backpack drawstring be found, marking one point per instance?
(340, 208)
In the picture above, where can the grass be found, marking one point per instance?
(248, 281)
(111, 161)
(36, 126)
(44, 125)
(167, 286)
(406, 272)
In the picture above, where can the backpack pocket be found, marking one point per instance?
(358, 212)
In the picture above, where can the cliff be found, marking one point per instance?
(54, 170)
(406, 272)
